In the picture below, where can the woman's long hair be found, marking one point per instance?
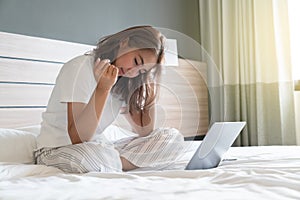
(141, 91)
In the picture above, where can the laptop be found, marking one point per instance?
(215, 144)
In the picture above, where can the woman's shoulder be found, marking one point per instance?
(81, 59)
(80, 65)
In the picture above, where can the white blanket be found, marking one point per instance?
(270, 172)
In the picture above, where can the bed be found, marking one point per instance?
(28, 68)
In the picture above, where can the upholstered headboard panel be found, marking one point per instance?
(29, 66)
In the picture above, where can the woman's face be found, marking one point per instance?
(133, 62)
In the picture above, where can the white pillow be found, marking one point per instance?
(17, 146)
(35, 129)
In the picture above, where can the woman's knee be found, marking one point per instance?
(169, 134)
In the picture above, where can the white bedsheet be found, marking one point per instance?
(270, 172)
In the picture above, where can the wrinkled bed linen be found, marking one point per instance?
(269, 172)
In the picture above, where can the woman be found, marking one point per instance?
(119, 76)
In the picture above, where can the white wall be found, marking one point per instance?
(87, 21)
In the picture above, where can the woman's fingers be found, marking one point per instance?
(115, 72)
(112, 70)
(106, 74)
(101, 66)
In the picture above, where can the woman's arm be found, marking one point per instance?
(83, 118)
(142, 121)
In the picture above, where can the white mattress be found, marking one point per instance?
(268, 172)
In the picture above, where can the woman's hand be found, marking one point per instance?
(105, 74)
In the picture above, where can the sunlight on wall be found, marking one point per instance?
(294, 17)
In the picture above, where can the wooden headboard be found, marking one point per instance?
(29, 66)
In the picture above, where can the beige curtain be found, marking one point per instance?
(247, 45)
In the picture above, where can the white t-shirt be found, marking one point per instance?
(75, 83)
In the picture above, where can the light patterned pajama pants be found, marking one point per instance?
(160, 148)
